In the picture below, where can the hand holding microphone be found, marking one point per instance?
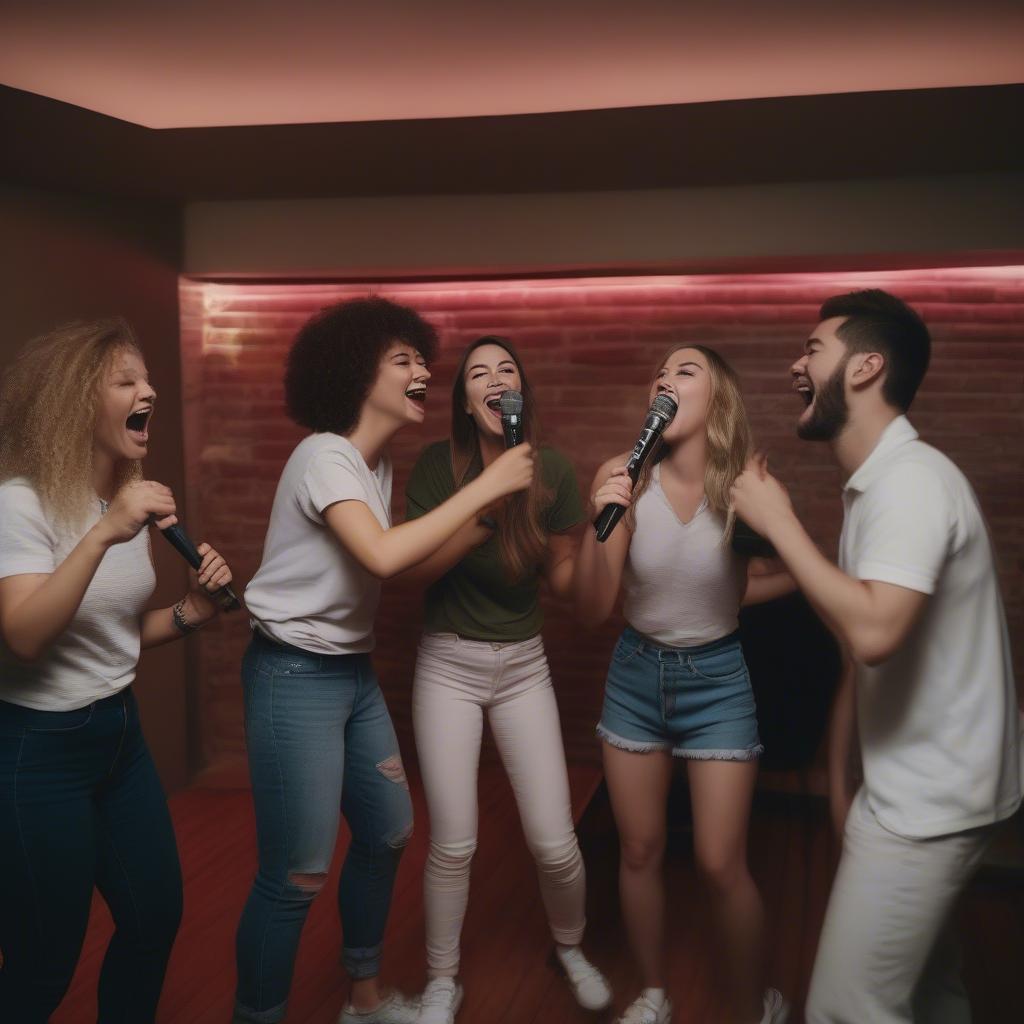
(143, 502)
(659, 416)
(136, 504)
(218, 575)
(510, 472)
(513, 470)
(616, 488)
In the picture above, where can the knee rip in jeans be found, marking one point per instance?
(393, 770)
(312, 881)
(400, 838)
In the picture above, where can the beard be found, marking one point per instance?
(830, 409)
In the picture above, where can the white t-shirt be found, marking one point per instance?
(96, 656)
(309, 591)
(940, 729)
(682, 584)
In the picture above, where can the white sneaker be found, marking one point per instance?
(776, 1009)
(640, 1011)
(588, 984)
(440, 1001)
(395, 1009)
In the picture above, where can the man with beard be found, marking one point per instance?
(916, 603)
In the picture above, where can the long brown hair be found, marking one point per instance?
(729, 439)
(48, 409)
(522, 538)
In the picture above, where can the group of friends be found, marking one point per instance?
(929, 698)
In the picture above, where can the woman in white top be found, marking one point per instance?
(80, 800)
(678, 685)
(319, 735)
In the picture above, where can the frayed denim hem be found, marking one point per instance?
(719, 755)
(633, 746)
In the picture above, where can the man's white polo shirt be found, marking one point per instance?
(940, 729)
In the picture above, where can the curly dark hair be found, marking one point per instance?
(336, 355)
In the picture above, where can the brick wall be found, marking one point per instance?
(589, 347)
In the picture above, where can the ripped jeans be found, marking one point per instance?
(320, 743)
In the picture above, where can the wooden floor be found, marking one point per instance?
(505, 943)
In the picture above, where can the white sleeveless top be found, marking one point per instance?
(683, 585)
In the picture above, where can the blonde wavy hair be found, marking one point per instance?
(729, 439)
(48, 406)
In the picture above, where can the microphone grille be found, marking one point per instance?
(511, 403)
(664, 405)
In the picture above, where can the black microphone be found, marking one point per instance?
(182, 542)
(659, 416)
(512, 417)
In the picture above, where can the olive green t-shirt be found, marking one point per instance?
(476, 598)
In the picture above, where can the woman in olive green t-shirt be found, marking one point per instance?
(481, 652)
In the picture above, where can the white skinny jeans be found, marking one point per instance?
(456, 681)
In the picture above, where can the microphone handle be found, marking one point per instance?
(613, 512)
(513, 429)
(182, 543)
(608, 520)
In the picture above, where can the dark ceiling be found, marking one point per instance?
(51, 144)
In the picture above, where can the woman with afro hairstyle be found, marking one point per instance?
(319, 735)
(80, 801)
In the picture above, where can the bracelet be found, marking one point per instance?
(180, 622)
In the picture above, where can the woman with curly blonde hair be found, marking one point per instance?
(677, 685)
(80, 800)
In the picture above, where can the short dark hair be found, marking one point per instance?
(336, 355)
(879, 322)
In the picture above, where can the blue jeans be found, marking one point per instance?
(693, 701)
(321, 743)
(81, 805)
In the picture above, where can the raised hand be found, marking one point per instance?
(617, 489)
(133, 506)
(759, 499)
(511, 471)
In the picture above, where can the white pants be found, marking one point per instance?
(887, 953)
(456, 681)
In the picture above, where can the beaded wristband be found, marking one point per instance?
(180, 622)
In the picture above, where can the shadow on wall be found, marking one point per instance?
(795, 665)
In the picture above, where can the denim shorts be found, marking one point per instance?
(693, 701)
